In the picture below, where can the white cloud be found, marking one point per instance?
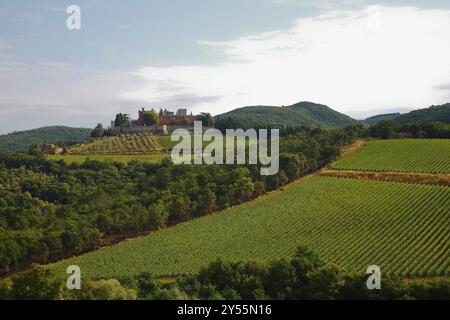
(321, 4)
(44, 93)
(375, 58)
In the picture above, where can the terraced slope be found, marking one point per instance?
(124, 145)
(422, 156)
(403, 228)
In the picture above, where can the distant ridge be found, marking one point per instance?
(387, 116)
(21, 140)
(300, 114)
(439, 113)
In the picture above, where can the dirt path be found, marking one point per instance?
(422, 178)
(358, 144)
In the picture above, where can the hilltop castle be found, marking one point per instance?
(180, 118)
(168, 121)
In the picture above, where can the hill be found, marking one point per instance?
(375, 119)
(300, 114)
(406, 225)
(439, 113)
(21, 140)
(336, 217)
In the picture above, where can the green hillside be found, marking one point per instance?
(21, 140)
(300, 114)
(375, 119)
(403, 228)
(432, 114)
(406, 155)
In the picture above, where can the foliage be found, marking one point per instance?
(36, 284)
(110, 289)
(301, 114)
(122, 120)
(375, 119)
(439, 113)
(21, 141)
(301, 276)
(151, 118)
(98, 131)
(206, 119)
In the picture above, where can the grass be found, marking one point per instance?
(403, 228)
(421, 156)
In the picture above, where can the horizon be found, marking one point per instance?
(400, 112)
(360, 57)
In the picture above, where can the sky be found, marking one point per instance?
(359, 57)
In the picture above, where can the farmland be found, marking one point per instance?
(421, 156)
(123, 158)
(401, 227)
(125, 145)
(118, 148)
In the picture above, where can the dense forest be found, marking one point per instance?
(389, 129)
(375, 119)
(304, 276)
(300, 114)
(439, 113)
(20, 141)
(50, 209)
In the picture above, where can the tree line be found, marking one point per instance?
(302, 277)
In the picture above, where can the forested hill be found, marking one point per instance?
(432, 114)
(375, 119)
(300, 114)
(21, 140)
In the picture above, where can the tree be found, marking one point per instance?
(110, 289)
(122, 120)
(151, 118)
(98, 132)
(157, 215)
(37, 283)
(384, 129)
(5, 288)
(206, 119)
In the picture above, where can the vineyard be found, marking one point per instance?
(403, 228)
(123, 145)
(422, 156)
(123, 158)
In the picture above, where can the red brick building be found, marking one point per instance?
(179, 119)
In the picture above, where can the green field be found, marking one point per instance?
(129, 145)
(421, 156)
(79, 158)
(403, 228)
(118, 148)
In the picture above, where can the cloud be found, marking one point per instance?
(445, 86)
(374, 58)
(44, 93)
(322, 4)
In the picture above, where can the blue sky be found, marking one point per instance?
(217, 55)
